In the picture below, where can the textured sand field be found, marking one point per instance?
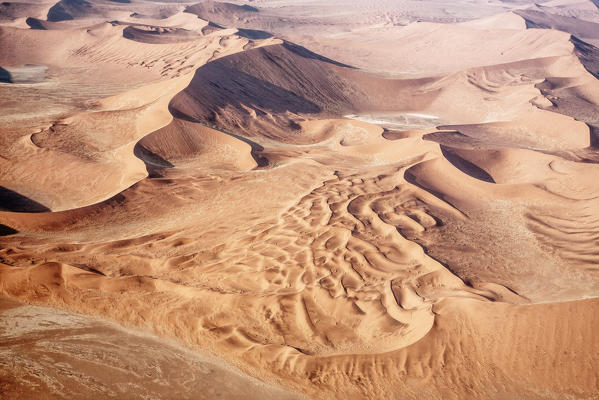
(350, 200)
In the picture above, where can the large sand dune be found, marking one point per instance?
(391, 200)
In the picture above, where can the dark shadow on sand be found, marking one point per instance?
(15, 202)
(7, 230)
(5, 76)
(152, 160)
(466, 166)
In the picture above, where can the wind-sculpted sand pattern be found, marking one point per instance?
(75, 356)
(330, 232)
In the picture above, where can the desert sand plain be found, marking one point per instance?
(280, 199)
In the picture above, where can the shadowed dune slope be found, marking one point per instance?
(580, 28)
(273, 88)
(66, 10)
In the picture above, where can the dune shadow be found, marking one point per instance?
(275, 80)
(5, 76)
(239, 89)
(587, 54)
(152, 160)
(594, 138)
(66, 10)
(15, 202)
(7, 230)
(86, 267)
(211, 27)
(263, 90)
(466, 166)
(248, 8)
(35, 23)
(253, 34)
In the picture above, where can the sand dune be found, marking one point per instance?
(186, 144)
(581, 10)
(18, 13)
(580, 28)
(391, 200)
(157, 34)
(84, 142)
(77, 356)
(504, 36)
(221, 12)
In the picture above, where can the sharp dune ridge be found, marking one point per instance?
(364, 200)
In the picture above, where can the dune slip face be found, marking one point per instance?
(288, 199)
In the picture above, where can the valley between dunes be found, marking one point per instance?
(297, 200)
